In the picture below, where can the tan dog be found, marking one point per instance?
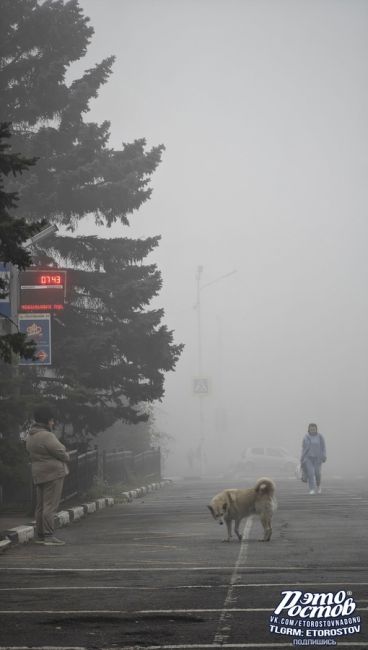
(233, 505)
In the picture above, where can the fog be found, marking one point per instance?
(262, 106)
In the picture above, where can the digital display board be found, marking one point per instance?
(42, 290)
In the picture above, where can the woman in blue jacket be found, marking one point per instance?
(313, 455)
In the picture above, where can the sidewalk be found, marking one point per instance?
(11, 520)
(19, 528)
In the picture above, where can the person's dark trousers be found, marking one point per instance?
(48, 497)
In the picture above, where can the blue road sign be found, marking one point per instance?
(5, 309)
(38, 328)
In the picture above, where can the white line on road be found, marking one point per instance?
(220, 586)
(188, 646)
(223, 628)
(227, 645)
(172, 568)
(342, 644)
(134, 612)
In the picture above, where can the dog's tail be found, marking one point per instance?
(265, 486)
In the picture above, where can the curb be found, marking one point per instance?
(23, 534)
(4, 544)
(142, 491)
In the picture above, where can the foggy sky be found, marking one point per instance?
(262, 107)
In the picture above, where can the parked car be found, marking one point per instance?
(266, 460)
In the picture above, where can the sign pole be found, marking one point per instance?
(200, 396)
(14, 296)
(14, 306)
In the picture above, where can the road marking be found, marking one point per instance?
(144, 611)
(223, 628)
(186, 646)
(345, 644)
(167, 587)
(172, 568)
(135, 612)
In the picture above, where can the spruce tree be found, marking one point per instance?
(14, 232)
(110, 349)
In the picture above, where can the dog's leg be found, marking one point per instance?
(228, 524)
(236, 528)
(267, 527)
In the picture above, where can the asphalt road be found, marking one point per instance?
(156, 573)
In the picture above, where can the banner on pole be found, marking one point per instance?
(37, 327)
(5, 309)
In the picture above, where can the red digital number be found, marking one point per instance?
(50, 279)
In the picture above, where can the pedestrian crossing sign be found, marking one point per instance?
(201, 386)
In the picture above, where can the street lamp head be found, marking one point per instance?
(45, 232)
(199, 271)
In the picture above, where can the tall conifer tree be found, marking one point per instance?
(110, 349)
(14, 232)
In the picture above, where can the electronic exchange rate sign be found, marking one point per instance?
(42, 290)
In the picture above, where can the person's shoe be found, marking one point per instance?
(312, 491)
(319, 490)
(53, 541)
(39, 540)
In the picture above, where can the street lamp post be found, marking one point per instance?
(200, 396)
(199, 332)
(199, 324)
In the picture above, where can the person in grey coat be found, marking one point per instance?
(312, 456)
(48, 460)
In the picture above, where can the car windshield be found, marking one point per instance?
(277, 453)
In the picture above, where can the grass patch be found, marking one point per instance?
(101, 488)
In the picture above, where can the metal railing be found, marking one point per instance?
(148, 463)
(83, 470)
(112, 467)
(123, 466)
